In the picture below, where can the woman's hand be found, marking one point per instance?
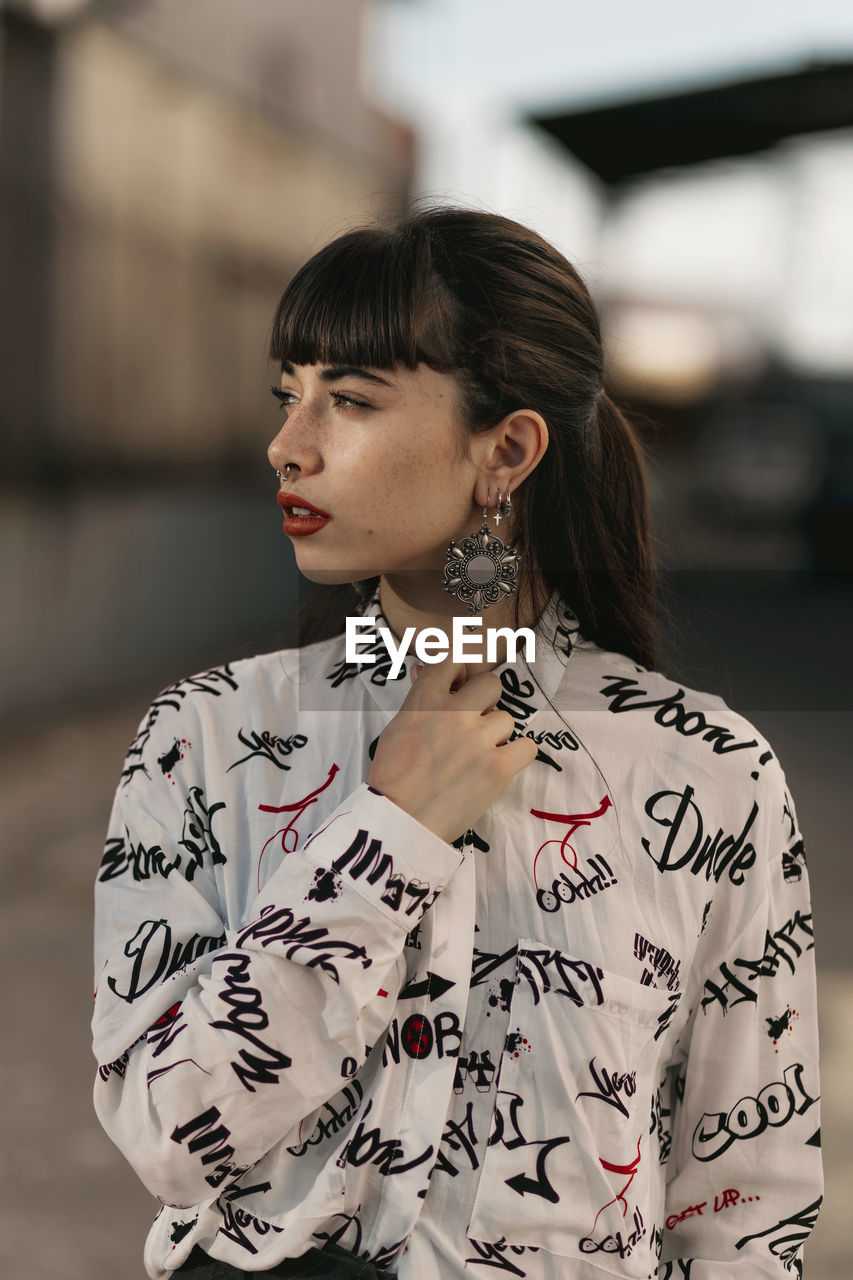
(445, 756)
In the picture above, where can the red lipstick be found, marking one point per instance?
(300, 525)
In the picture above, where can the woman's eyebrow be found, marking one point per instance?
(341, 371)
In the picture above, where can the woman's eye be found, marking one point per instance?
(345, 401)
(284, 398)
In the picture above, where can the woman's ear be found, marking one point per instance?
(515, 445)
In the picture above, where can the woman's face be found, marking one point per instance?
(378, 450)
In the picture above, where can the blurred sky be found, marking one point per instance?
(761, 243)
(545, 51)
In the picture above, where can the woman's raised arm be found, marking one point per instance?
(215, 1037)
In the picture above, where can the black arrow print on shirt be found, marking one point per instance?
(538, 1186)
(508, 1117)
(433, 986)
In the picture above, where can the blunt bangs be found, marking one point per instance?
(367, 299)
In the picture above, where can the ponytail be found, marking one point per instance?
(620, 610)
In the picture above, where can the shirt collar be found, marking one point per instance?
(527, 685)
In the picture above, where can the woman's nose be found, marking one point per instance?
(297, 440)
(276, 451)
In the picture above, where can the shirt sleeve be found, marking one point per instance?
(745, 1175)
(215, 1039)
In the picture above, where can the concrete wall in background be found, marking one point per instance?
(119, 591)
(182, 211)
(163, 170)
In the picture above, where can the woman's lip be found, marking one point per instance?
(303, 526)
(286, 500)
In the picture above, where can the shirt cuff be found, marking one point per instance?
(372, 845)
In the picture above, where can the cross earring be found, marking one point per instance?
(504, 507)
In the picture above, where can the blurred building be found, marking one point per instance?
(700, 176)
(163, 170)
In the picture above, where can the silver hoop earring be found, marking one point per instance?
(481, 569)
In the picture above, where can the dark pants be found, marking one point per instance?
(330, 1263)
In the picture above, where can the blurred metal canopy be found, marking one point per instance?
(630, 138)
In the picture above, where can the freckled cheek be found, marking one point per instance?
(370, 519)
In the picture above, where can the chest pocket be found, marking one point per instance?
(569, 1167)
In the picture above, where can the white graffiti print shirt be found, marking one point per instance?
(580, 1041)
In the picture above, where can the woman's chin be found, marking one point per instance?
(336, 577)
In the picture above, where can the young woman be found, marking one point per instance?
(507, 967)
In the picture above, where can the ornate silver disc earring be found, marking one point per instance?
(481, 569)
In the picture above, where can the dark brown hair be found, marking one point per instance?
(488, 300)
